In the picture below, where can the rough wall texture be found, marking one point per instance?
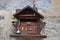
(14, 4)
(52, 18)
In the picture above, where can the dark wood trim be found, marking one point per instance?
(20, 35)
(38, 24)
(29, 17)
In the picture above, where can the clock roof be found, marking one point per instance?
(31, 9)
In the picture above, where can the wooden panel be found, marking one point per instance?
(23, 27)
(28, 28)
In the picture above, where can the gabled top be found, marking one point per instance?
(29, 8)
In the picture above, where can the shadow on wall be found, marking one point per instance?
(1, 17)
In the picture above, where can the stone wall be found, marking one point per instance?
(6, 27)
(51, 29)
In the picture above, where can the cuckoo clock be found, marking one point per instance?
(29, 23)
